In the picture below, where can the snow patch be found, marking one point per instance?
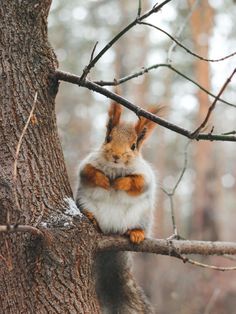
(44, 224)
(71, 208)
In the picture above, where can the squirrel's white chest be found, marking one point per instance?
(116, 211)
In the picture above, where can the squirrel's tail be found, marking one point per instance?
(116, 287)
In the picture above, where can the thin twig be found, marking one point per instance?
(181, 29)
(172, 211)
(20, 228)
(185, 48)
(212, 107)
(92, 63)
(183, 168)
(186, 259)
(171, 193)
(18, 147)
(175, 230)
(86, 70)
(229, 133)
(93, 51)
(153, 67)
(139, 8)
(74, 79)
(203, 265)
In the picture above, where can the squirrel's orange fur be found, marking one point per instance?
(132, 184)
(95, 177)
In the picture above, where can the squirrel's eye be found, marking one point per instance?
(133, 146)
(108, 139)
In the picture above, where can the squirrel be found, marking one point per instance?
(116, 191)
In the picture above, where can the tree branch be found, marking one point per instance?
(20, 228)
(181, 29)
(74, 79)
(167, 247)
(175, 248)
(94, 60)
(185, 48)
(170, 194)
(212, 107)
(153, 67)
(18, 147)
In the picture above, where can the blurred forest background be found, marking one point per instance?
(204, 201)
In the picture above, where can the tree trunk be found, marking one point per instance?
(53, 273)
(205, 195)
(36, 277)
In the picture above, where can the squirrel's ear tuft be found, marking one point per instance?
(114, 114)
(144, 126)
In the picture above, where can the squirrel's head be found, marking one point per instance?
(124, 141)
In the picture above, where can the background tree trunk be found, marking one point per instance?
(206, 191)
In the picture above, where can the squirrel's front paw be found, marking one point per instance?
(94, 177)
(102, 181)
(136, 236)
(123, 184)
(132, 184)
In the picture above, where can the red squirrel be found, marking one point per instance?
(116, 188)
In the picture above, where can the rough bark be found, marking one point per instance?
(36, 276)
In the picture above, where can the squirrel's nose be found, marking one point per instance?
(116, 157)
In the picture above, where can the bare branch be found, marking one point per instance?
(153, 67)
(229, 133)
(183, 169)
(185, 48)
(181, 28)
(93, 51)
(212, 107)
(186, 259)
(92, 62)
(203, 265)
(171, 193)
(139, 9)
(20, 228)
(74, 79)
(173, 248)
(86, 69)
(18, 147)
(166, 247)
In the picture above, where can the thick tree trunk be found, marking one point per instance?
(53, 273)
(36, 277)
